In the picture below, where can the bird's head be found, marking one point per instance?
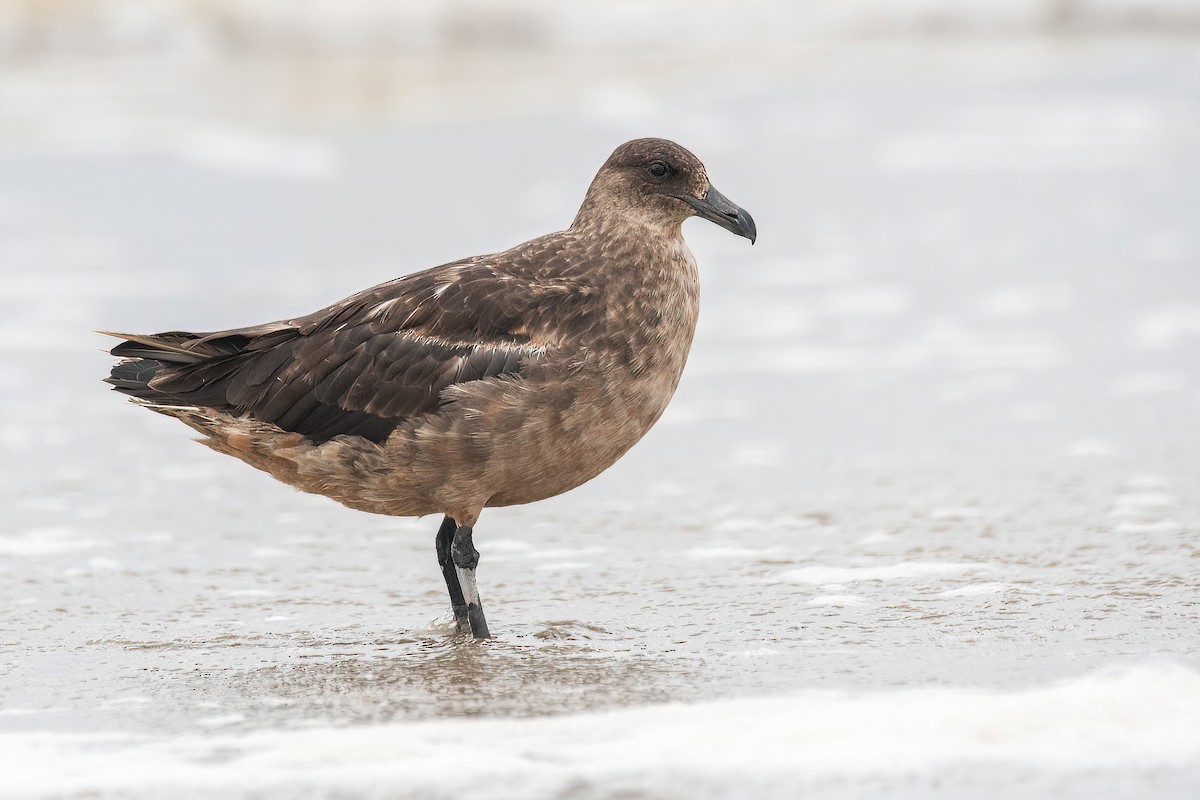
(660, 184)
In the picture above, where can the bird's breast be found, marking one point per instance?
(591, 398)
(651, 320)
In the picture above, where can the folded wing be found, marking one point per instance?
(359, 367)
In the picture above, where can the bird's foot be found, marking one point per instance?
(474, 622)
(461, 621)
(477, 622)
(466, 558)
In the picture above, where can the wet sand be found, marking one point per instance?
(935, 452)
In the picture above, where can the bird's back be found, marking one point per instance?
(366, 363)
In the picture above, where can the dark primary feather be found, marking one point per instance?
(364, 364)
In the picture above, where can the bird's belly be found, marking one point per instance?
(572, 434)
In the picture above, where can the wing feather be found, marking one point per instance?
(363, 365)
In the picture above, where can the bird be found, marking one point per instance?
(495, 380)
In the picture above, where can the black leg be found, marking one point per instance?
(466, 558)
(445, 537)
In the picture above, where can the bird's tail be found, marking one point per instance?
(178, 368)
(133, 378)
(144, 357)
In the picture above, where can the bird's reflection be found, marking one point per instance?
(555, 669)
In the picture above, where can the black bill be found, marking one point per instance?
(716, 207)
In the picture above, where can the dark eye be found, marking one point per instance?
(659, 169)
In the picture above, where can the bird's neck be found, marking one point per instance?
(640, 255)
(651, 294)
(621, 223)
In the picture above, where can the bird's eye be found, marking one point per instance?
(659, 169)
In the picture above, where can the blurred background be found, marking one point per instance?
(922, 517)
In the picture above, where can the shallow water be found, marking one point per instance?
(934, 459)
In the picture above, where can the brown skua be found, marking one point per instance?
(492, 381)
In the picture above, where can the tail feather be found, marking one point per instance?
(195, 369)
(133, 378)
(167, 347)
(145, 357)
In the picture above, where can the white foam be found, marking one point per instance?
(726, 553)
(132, 700)
(891, 572)
(508, 546)
(268, 552)
(1157, 526)
(953, 513)
(976, 589)
(1147, 480)
(44, 542)
(759, 652)
(220, 721)
(557, 566)
(567, 553)
(1136, 503)
(782, 522)
(756, 454)
(837, 600)
(1141, 718)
